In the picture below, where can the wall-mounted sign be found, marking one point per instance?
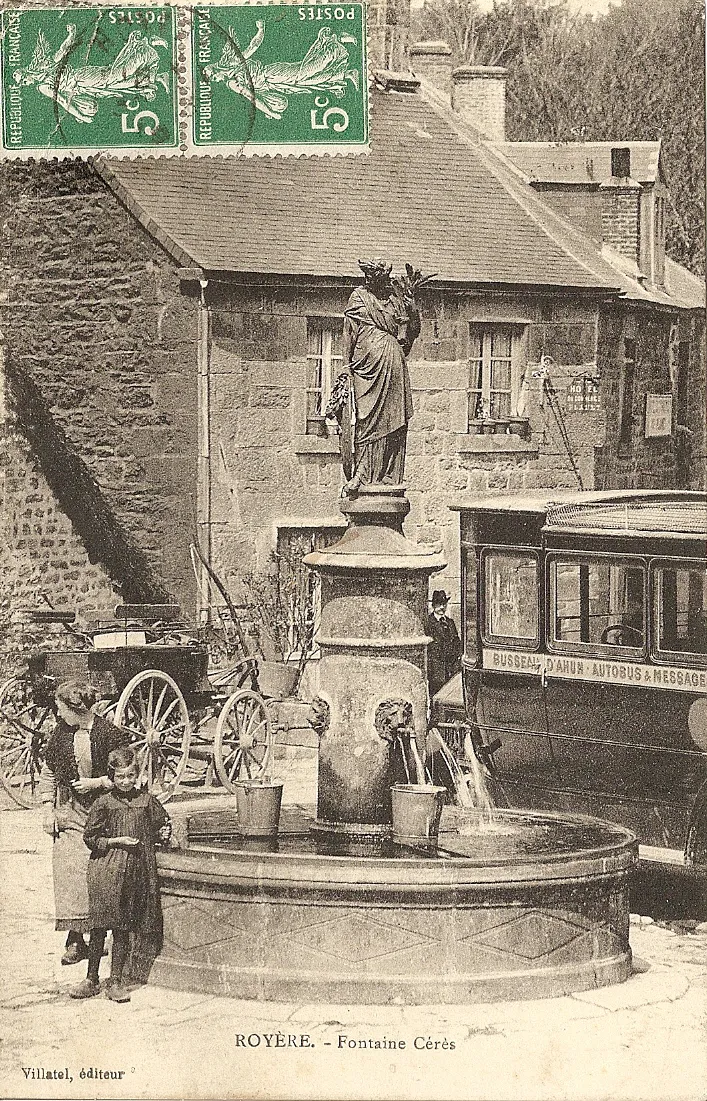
(583, 395)
(659, 415)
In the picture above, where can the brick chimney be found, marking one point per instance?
(432, 61)
(388, 24)
(620, 197)
(479, 95)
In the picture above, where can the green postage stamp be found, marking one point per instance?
(78, 81)
(279, 75)
(181, 81)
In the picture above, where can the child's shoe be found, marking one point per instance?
(86, 989)
(117, 992)
(75, 952)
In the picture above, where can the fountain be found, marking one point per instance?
(338, 907)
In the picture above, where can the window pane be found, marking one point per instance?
(500, 374)
(500, 406)
(475, 342)
(596, 603)
(680, 603)
(511, 598)
(324, 361)
(501, 380)
(500, 343)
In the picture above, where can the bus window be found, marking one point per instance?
(597, 603)
(680, 608)
(511, 597)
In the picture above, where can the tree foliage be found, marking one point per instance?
(635, 73)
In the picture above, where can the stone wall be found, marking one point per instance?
(41, 554)
(266, 470)
(646, 463)
(92, 312)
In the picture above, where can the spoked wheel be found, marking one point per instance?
(153, 709)
(25, 727)
(243, 743)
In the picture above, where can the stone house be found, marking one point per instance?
(181, 322)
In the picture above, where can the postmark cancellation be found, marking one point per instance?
(183, 81)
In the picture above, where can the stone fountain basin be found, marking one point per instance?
(538, 909)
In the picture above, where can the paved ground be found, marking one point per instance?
(644, 1039)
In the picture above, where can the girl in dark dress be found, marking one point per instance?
(122, 830)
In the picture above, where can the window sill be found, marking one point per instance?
(494, 444)
(316, 445)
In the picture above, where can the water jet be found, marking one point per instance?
(333, 909)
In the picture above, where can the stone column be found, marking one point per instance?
(373, 664)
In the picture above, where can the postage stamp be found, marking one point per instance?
(279, 76)
(78, 81)
(180, 81)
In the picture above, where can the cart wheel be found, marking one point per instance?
(242, 747)
(25, 727)
(153, 709)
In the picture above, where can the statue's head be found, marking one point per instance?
(377, 275)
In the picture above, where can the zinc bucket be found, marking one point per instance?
(258, 806)
(417, 809)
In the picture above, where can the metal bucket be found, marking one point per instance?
(417, 809)
(277, 679)
(258, 807)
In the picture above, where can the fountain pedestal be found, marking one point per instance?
(373, 667)
(538, 908)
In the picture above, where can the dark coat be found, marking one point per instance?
(105, 737)
(443, 653)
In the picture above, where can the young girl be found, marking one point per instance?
(122, 830)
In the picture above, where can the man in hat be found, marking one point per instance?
(444, 652)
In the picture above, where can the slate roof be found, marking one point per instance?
(430, 192)
(580, 162)
(423, 194)
(683, 285)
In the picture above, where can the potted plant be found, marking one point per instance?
(518, 426)
(281, 609)
(316, 425)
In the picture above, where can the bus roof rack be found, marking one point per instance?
(669, 516)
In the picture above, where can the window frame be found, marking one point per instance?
(606, 650)
(670, 657)
(483, 396)
(510, 642)
(470, 565)
(326, 366)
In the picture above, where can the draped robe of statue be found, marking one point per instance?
(377, 333)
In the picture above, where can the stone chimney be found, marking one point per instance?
(620, 208)
(479, 95)
(388, 24)
(432, 61)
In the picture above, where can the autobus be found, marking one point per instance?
(584, 673)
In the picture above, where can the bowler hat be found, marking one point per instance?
(439, 597)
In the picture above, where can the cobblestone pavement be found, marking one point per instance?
(646, 1038)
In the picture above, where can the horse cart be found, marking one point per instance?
(185, 718)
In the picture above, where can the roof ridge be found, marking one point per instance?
(613, 142)
(526, 202)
